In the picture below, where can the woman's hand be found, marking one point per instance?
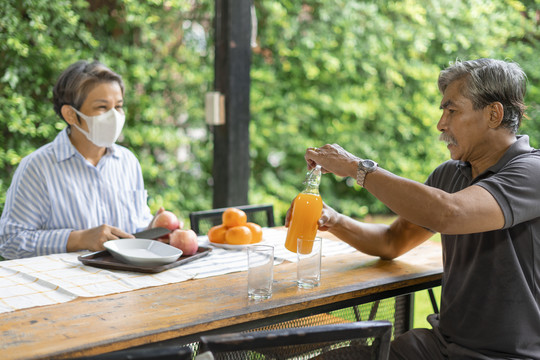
(93, 239)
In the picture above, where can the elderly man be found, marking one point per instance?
(485, 202)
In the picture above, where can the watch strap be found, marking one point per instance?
(365, 167)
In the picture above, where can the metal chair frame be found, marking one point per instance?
(146, 353)
(380, 331)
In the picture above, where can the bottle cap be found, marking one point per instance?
(314, 176)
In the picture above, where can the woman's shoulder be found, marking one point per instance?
(41, 155)
(124, 154)
(120, 150)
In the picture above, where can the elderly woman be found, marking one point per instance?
(82, 189)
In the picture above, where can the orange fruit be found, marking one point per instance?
(256, 232)
(216, 234)
(234, 217)
(238, 235)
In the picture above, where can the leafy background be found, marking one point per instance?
(359, 73)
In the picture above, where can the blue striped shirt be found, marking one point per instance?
(55, 191)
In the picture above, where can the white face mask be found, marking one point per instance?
(103, 129)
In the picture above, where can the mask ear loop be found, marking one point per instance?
(79, 126)
(76, 114)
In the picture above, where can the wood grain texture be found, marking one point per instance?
(89, 326)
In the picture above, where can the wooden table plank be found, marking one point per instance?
(88, 326)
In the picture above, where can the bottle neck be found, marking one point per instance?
(311, 190)
(312, 181)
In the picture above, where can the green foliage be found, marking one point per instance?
(363, 77)
(162, 50)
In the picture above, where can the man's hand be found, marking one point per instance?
(334, 159)
(93, 239)
(329, 217)
(289, 214)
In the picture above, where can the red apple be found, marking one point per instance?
(185, 240)
(168, 220)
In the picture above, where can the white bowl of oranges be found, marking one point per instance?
(235, 231)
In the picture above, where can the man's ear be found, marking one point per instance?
(69, 114)
(496, 113)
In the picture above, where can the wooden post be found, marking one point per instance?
(231, 168)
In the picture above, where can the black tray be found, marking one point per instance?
(103, 259)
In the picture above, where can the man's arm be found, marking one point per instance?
(468, 211)
(385, 241)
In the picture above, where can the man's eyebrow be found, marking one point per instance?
(446, 104)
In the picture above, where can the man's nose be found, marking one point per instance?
(441, 125)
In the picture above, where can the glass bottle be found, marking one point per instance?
(306, 211)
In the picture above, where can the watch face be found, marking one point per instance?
(369, 164)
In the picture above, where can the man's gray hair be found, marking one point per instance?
(488, 81)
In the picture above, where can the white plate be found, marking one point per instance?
(142, 252)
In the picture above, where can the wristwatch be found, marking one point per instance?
(365, 167)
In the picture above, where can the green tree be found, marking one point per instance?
(359, 73)
(161, 48)
(363, 74)
(30, 61)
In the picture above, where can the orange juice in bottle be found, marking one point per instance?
(306, 211)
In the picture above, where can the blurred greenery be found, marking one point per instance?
(358, 73)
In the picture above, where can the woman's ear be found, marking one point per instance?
(496, 111)
(69, 114)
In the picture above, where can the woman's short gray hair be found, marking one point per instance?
(488, 81)
(78, 80)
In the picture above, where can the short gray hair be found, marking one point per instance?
(78, 80)
(488, 81)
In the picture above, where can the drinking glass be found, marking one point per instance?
(260, 271)
(309, 252)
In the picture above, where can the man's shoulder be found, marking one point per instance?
(533, 154)
(527, 160)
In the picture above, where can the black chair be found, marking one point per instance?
(202, 221)
(357, 340)
(146, 353)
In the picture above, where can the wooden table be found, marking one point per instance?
(88, 326)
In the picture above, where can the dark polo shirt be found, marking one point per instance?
(490, 300)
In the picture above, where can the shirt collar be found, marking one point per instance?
(64, 149)
(520, 146)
